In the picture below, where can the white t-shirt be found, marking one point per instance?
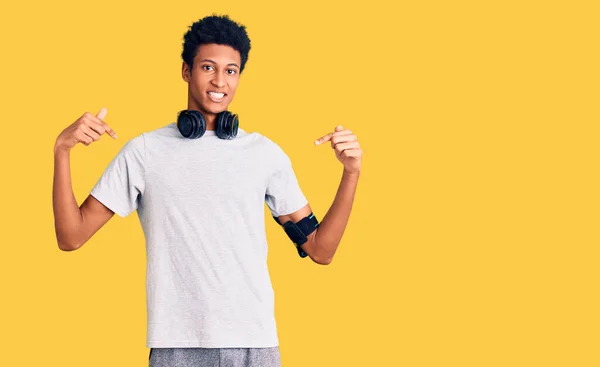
(201, 206)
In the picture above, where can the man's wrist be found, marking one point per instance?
(351, 173)
(60, 150)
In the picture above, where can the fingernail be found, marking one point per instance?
(316, 142)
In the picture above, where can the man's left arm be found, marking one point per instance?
(323, 242)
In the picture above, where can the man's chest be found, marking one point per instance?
(225, 177)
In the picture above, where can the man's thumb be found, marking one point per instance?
(102, 114)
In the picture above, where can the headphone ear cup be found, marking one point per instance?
(184, 124)
(220, 122)
(200, 124)
(191, 124)
(235, 123)
(227, 125)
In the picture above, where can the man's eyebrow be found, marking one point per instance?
(211, 61)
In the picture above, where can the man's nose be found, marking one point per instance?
(219, 80)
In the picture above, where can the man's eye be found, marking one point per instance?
(207, 66)
(231, 71)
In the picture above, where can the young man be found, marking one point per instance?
(201, 206)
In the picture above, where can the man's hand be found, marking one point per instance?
(347, 149)
(86, 130)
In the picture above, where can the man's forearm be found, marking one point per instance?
(331, 229)
(67, 215)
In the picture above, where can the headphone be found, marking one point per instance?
(191, 124)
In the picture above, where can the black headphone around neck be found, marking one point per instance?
(191, 124)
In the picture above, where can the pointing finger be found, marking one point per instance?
(339, 130)
(107, 128)
(323, 139)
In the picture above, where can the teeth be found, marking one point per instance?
(217, 95)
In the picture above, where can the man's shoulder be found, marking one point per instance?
(266, 141)
(274, 151)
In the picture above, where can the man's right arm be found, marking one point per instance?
(75, 225)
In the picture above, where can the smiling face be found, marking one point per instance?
(213, 80)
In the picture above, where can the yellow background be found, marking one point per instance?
(474, 236)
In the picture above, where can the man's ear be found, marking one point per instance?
(185, 72)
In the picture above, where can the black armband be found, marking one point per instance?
(298, 232)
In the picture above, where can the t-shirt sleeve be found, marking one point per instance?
(121, 185)
(283, 195)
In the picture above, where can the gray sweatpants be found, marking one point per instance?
(215, 357)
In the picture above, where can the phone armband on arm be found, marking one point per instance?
(298, 232)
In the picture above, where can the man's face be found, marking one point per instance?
(214, 78)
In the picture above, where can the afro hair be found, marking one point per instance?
(218, 29)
